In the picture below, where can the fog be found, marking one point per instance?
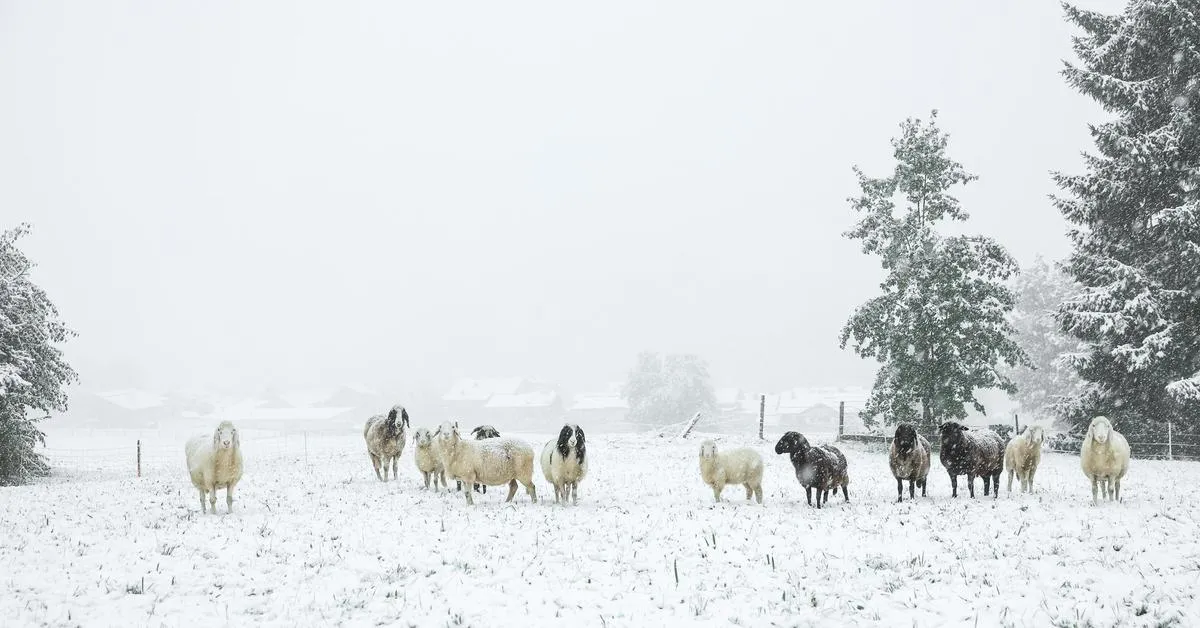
(298, 193)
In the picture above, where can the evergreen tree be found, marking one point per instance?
(1044, 386)
(940, 329)
(1136, 217)
(668, 389)
(33, 372)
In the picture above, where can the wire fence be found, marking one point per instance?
(134, 453)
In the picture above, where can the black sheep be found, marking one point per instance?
(908, 458)
(822, 467)
(972, 454)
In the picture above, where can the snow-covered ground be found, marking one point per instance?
(317, 540)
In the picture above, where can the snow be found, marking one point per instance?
(481, 389)
(598, 402)
(316, 540)
(133, 399)
(535, 399)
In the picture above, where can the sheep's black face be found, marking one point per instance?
(792, 443)
(906, 437)
(483, 432)
(570, 438)
(952, 432)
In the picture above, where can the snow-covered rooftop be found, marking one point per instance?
(468, 389)
(537, 399)
(598, 401)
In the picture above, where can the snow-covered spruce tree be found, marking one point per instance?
(668, 389)
(1041, 389)
(940, 329)
(33, 372)
(1136, 212)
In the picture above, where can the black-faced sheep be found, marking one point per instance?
(493, 461)
(429, 463)
(385, 438)
(1104, 457)
(909, 460)
(822, 468)
(737, 466)
(1023, 455)
(214, 462)
(565, 463)
(972, 453)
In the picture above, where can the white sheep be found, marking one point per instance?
(565, 463)
(1104, 457)
(492, 462)
(385, 438)
(737, 466)
(428, 458)
(1023, 455)
(215, 462)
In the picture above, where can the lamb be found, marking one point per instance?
(215, 462)
(823, 467)
(565, 463)
(481, 432)
(1023, 455)
(385, 440)
(1104, 457)
(738, 466)
(972, 454)
(909, 460)
(429, 463)
(494, 461)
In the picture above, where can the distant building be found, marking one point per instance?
(816, 409)
(605, 409)
(728, 401)
(500, 400)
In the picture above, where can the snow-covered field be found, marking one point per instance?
(316, 540)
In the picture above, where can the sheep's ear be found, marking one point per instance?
(963, 428)
(216, 438)
(237, 440)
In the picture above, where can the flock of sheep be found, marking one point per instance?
(491, 460)
(1104, 458)
(486, 460)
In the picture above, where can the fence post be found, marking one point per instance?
(1016, 424)
(1170, 443)
(841, 419)
(139, 457)
(762, 414)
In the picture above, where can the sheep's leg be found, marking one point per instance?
(203, 506)
(1010, 479)
(532, 490)
(912, 488)
(512, 490)
(845, 492)
(229, 498)
(749, 492)
(987, 481)
(395, 462)
(758, 493)
(1031, 474)
(820, 492)
(900, 490)
(1117, 489)
(808, 493)
(996, 485)
(575, 494)
(1095, 486)
(375, 463)
(468, 480)
(717, 488)
(953, 485)
(212, 500)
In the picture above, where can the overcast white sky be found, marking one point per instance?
(297, 193)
